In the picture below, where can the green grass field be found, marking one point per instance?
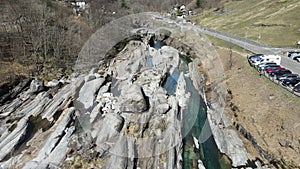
(274, 22)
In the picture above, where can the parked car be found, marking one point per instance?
(254, 58)
(267, 59)
(269, 66)
(266, 65)
(297, 58)
(280, 72)
(297, 88)
(292, 54)
(291, 81)
(274, 69)
(286, 76)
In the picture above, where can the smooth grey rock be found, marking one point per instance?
(103, 149)
(88, 91)
(36, 106)
(159, 101)
(110, 127)
(118, 159)
(54, 139)
(132, 100)
(95, 112)
(181, 95)
(129, 62)
(165, 58)
(62, 98)
(150, 81)
(89, 77)
(8, 143)
(162, 34)
(8, 109)
(36, 86)
(283, 143)
(58, 154)
(131, 151)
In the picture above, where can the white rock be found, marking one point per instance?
(52, 83)
(102, 91)
(88, 91)
(95, 112)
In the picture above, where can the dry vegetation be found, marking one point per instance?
(266, 110)
(44, 37)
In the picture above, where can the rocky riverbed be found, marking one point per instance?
(119, 114)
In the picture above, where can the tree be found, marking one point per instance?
(198, 3)
(124, 4)
(48, 34)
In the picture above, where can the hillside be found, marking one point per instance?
(274, 22)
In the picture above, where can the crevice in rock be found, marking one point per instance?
(34, 124)
(119, 47)
(62, 135)
(11, 95)
(147, 100)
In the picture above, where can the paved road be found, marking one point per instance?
(256, 47)
(250, 45)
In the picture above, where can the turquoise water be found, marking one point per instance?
(195, 125)
(158, 44)
(171, 82)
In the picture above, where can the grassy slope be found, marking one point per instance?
(242, 17)
(268, 120)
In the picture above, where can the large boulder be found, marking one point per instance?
(132, 100)
(36, 86)
(88, 92)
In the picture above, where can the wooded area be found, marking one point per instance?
(45, 36)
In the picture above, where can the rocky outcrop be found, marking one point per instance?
(16, 91)
(10, 141)
(55, 147)
(126, 113)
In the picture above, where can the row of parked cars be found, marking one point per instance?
(269, 66)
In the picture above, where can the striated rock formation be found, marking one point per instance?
(128, 112)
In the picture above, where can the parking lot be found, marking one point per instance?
(276, 72)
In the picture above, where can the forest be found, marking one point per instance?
(41, 38)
